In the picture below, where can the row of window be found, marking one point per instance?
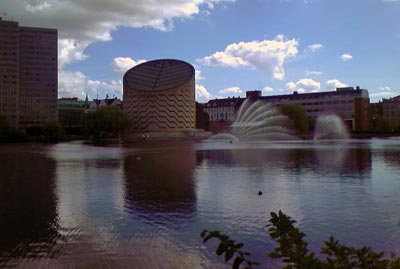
(391, 107)
(336, 102)
(350, 109)
(222, 116)
(8, 67)
(392, 114)
(219, 109)
(38, 60)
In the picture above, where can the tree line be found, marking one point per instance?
(103, 123)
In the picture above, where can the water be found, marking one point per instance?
(330, 126)
(256, 120)
(143, 206)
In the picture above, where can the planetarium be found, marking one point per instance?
(159, 96)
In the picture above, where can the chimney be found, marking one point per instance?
(253, 94)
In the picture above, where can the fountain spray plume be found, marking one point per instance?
(330, 126)
(258, 121)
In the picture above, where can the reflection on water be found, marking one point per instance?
(143, 205)
(340, 161)
(28, 206)
(161, 182)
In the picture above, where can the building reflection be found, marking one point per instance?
(349, 162)
(390, 157)
(28, 216)
(161, 182)
(342, 161)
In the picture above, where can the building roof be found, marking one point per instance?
(70, 104)
(158, 75)
(393, 99)
(297, 96)
(226, 102)
(62, 102)
(235, 102)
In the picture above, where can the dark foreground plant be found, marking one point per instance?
(294, 254)
(229, 248)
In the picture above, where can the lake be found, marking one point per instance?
(143, 205)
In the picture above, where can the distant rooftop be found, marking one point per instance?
(158, 75)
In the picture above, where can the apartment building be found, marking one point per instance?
(391, 111)
(351, 104)
(28, 74)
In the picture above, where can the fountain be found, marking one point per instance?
(330, 126)
(257, 121)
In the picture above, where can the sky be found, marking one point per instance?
(275, 46)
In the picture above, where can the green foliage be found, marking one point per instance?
(229, 248)
(8, 133)
(293, 252)
(297, 116)
(52, 131)
(342, 256)
(291, 246)
(108, 121)
(5, 128)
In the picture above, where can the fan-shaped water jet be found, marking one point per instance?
(258, 121)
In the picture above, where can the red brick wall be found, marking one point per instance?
(361, 115)
(220, 126)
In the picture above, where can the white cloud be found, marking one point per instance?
(384, 88)
(82, 22)
(76, 84)
(202, 95)
(267, 55)
(71, 84)
(70, 51)
(111, 88)
(115, 87)
(230, 90)
(345, 57)
(313, 73)
(333, 84)
(303, 85)
(315, 47)
(378, 95)
(120, 65)
(384, 92)
(268, 89)
(198, 76)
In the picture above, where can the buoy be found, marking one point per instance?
(260, 193)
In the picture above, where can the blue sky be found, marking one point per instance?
(277, 46)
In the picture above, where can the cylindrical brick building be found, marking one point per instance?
(159, 96)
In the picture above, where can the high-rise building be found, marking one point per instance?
(28, 74)
(9, 73)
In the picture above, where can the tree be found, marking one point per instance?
(296, 115)
(108, 121)
(9, 133)
(52, 131)
(293, 251)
